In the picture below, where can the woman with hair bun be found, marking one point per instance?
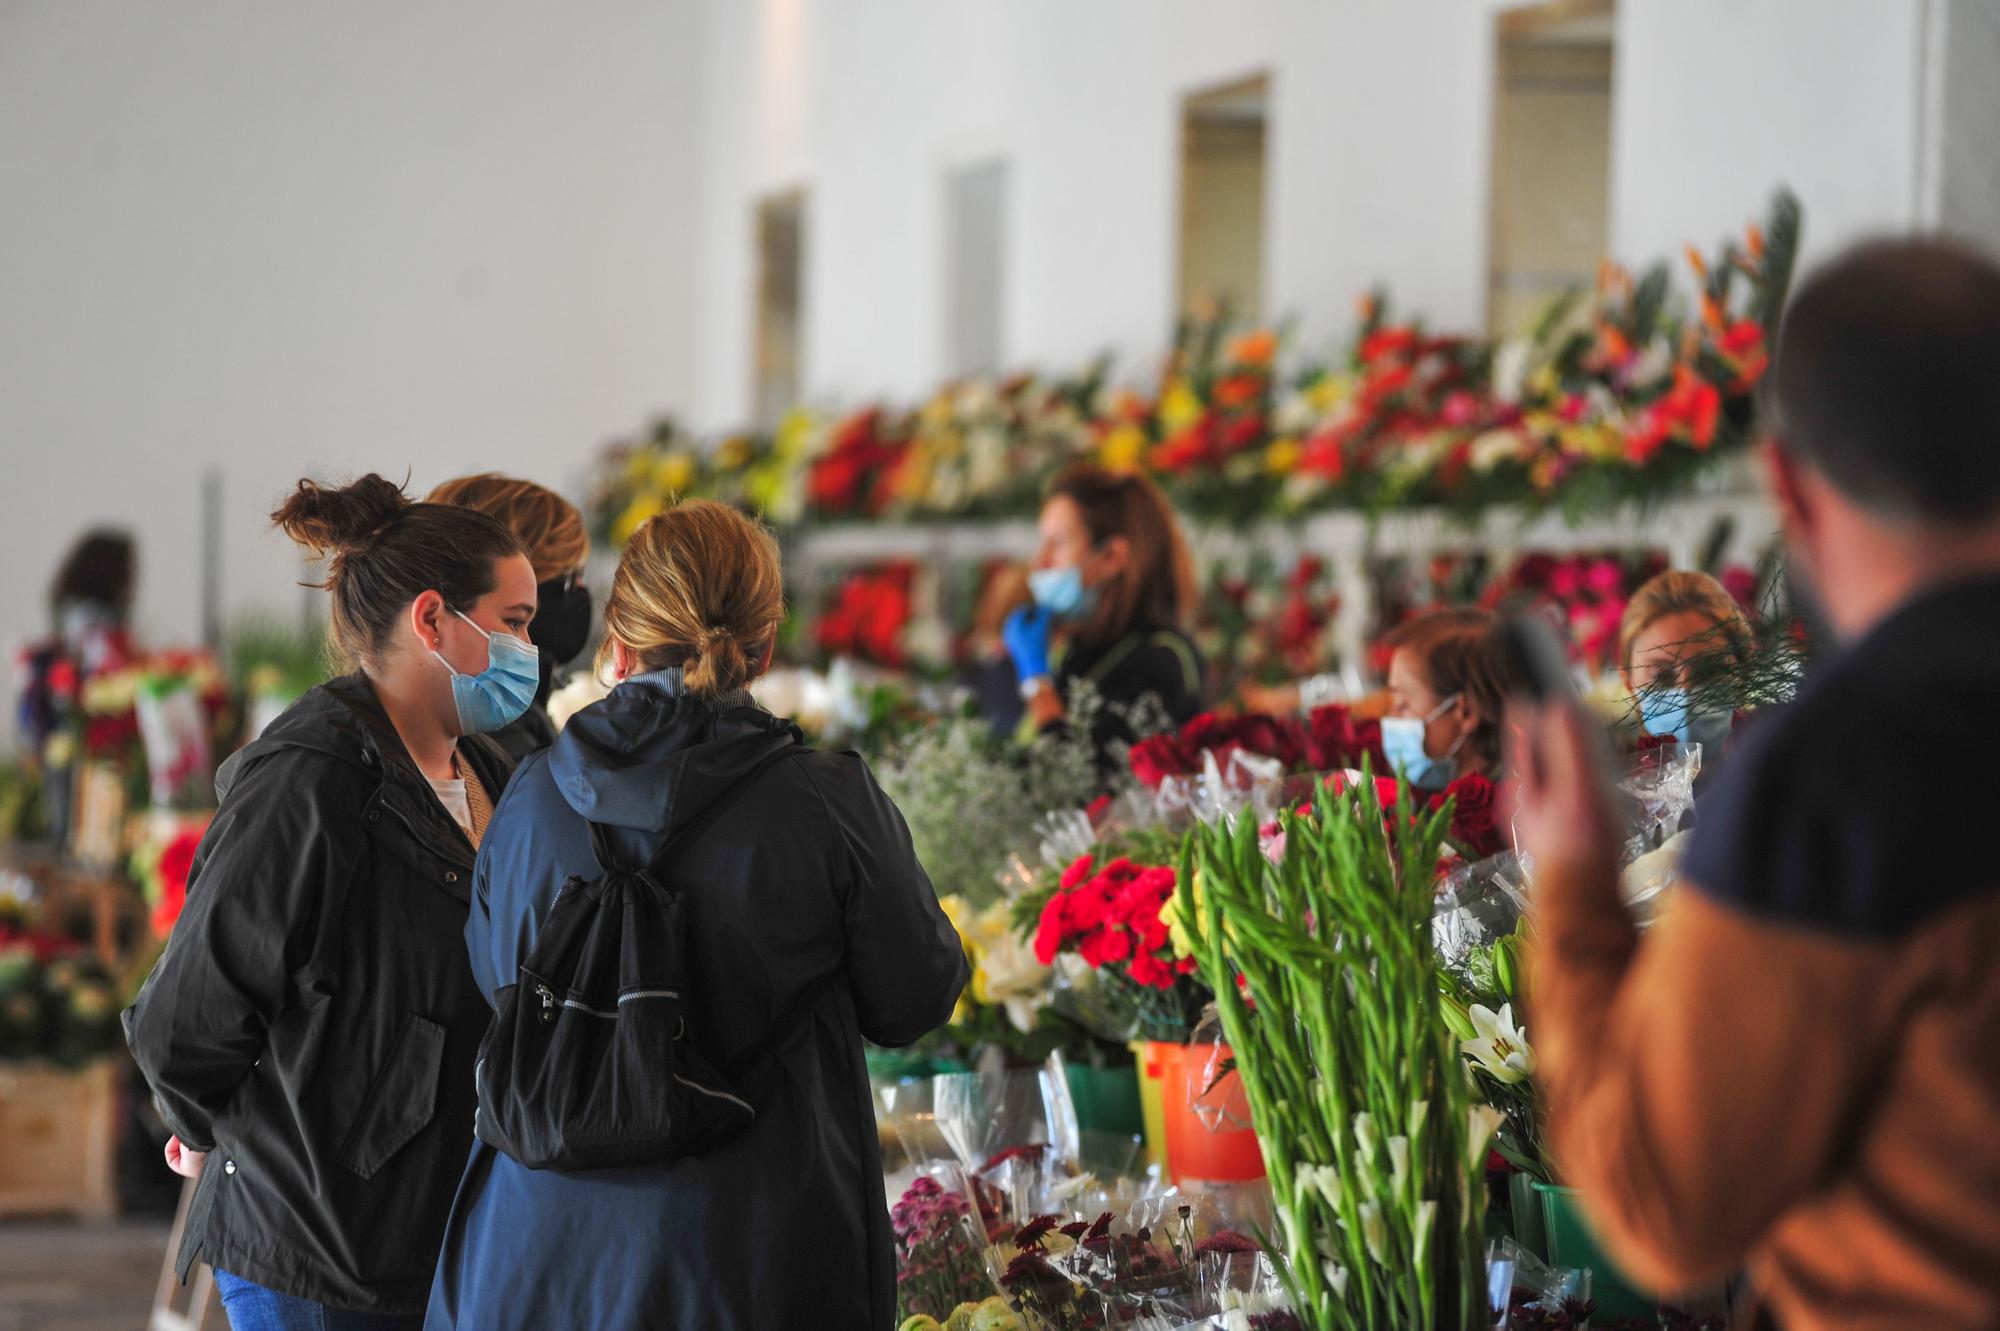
(309, 1033)
(810, 928)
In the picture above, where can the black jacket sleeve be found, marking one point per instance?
(905, 963)
(282, 849)
(1159, 663)
(1164, 665)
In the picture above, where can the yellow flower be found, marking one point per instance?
(1282, 457)
(1543, 383)
(1177, 928)
(634, 517)
(937, 412)
(959, 912)
(673, 473)
(1180, 406)
(1593, 441)
(794, 432)
(1328, 392)
(1122, 448)
(733, 454)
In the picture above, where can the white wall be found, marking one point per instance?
(867, 103)
(433, 236)
(1379, 161)
(1718, 101)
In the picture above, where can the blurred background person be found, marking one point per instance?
(1682, 636)
(551, 531)
(988, 673)
(90, 606)
(1446, 698)
(1114, 595)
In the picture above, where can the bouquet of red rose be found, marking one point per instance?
(1337, 739)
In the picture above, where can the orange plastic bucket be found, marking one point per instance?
(1230, 1153)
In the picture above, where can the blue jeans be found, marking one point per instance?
(254, 1308)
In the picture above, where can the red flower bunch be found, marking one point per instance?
(1111, 917)
(1689, 412)
(1475, 825)
(857, 470)
(1475, 819)
(1158, 757)
(176, 863)
(869, 615)
(1337, 739)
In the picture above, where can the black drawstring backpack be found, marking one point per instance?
(589, 1062)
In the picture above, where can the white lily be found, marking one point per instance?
(1336, 1276)
(1327, 1179)
(1502, 1048)
(1364, 1136)
(1482, 1121)
(1421, 1242)
(1374, 1231)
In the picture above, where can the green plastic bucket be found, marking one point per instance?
(1571, 1244)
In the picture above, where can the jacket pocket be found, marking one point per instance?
(402, 1101)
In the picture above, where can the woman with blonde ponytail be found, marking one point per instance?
(811, 928)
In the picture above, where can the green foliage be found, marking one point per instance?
(970, 797)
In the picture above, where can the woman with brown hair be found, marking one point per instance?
(810, 928)
(1447, 695)
(1114, 592)
(309, 1033)
(552, 534)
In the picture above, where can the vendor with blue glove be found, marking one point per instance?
(1114, 592)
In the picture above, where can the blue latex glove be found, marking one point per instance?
(1026, 634)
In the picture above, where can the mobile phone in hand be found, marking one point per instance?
(1537, 668)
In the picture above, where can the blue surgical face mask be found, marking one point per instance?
(1061, 592)
(1403, 744)
(1668, 712)
(496, 697)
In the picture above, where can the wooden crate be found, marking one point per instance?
(59, 1139)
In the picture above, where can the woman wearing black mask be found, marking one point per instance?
(551, 530)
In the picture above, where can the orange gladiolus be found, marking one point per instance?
(1753, 240)
(1616, 347)
(1238, 390)
(1696, 262)
(1254, 348)
(1711, 312)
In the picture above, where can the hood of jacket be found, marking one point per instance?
(653, 756)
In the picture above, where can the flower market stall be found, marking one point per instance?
(1621, 418)
(1246, 1043)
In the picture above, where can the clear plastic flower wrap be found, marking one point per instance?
(1169, 1261)
(984, 1113)
(1476, 904)
(1525, 1292)
(1658, 787)
(940, 1243)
